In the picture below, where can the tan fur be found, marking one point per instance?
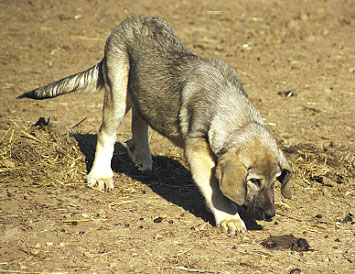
(231, 173)
(202, 162)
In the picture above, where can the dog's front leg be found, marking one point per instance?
(201, 160)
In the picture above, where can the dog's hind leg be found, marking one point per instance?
(138, 146)
(116, 105)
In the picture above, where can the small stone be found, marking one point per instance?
(327, 145)
(319, 216)
(49, 243)
(34, 251)
(300, 245)
(158, 220)
(157, 237)
(296, 271)
(287, 93)
(348, 218)
(62, 244)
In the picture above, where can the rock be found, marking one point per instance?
(296, 271)
(158, 220)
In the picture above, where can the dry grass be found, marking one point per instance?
(39, 155)
(326, 165)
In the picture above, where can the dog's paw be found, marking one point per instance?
(140, 156)
(232, 225)
(102, 181)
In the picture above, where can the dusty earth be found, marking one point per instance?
(297, 62)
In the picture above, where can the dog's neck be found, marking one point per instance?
(242, 132)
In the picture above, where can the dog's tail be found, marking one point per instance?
(86, 81)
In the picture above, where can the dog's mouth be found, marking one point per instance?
(261, 214)
(256, 213)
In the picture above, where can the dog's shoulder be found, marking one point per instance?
(227, 72)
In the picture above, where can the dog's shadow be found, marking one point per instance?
(169, 179)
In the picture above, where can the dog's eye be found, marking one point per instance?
(256, 181)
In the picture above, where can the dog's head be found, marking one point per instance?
(247, 174)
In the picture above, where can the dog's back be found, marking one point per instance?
(163, 73)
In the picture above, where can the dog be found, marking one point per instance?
(198, 103)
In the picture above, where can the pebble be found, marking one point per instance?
(300, 245)
(287, 93)
(158, 220)
(348, 218)
(34, 251)
(157, 237)
(296, 271)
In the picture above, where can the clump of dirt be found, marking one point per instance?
(286, 242)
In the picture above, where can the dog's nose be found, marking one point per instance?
(269, 213)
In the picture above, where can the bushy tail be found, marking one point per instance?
(86, 81)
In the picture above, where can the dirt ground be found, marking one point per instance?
(296, 60)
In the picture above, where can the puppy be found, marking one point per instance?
(198, 103)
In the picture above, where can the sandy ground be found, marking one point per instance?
(296, 61)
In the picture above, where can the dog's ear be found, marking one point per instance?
(231, 174)
(285, 176)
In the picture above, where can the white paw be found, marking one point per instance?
(231, 224)
(140, 155)
(100, 180)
